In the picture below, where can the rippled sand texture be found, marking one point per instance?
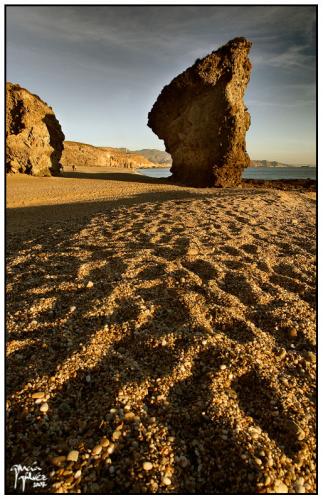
(182, 330)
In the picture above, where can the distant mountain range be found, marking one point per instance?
(156, 156)
(268, 163)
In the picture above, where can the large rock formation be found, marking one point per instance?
(34, 139)
(202, 118)
(79, 154)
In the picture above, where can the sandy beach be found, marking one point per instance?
(160, 338)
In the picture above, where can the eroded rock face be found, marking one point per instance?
(79, 154)
(34, 139)
(202, 118)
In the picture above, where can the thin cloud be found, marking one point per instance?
(161, 26)
(295, 104)
(292, 57)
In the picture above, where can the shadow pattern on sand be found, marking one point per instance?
(172, 302)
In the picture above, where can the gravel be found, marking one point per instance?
(176, 372)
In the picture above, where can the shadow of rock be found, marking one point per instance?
(118, 176)
(258, 400)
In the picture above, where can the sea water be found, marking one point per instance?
(267, 173)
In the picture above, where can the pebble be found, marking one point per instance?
(166, 480)
(300, 434)
(77, 474)
(111, 448)
(44, 408)
(73, 456)
(280, 487)
(255, 430)
(89, 284)
(310, 356)
(104, 442)
(183, 461)
(129, 415)
(65, 408)
(116, 435)
(223, 367)
(164, 343)
(300, 489)
(88, 378)
(72, 308)
(147, 466)
(282, 355)
(299, 482)
(192, 251)
(97, 450)
(293, 332)
(38, 395)
(58, 460)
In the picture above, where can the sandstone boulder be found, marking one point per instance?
(202, 118)
(34, 139)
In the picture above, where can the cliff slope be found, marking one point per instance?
(77, 153)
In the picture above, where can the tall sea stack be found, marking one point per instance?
(202, 118)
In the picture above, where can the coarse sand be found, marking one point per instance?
(160, 338)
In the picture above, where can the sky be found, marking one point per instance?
(101, 68)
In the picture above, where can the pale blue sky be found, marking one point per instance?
(102, 68)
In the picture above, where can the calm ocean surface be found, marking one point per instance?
(249, 173)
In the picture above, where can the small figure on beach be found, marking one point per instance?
(61, 169)
(73, 168)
